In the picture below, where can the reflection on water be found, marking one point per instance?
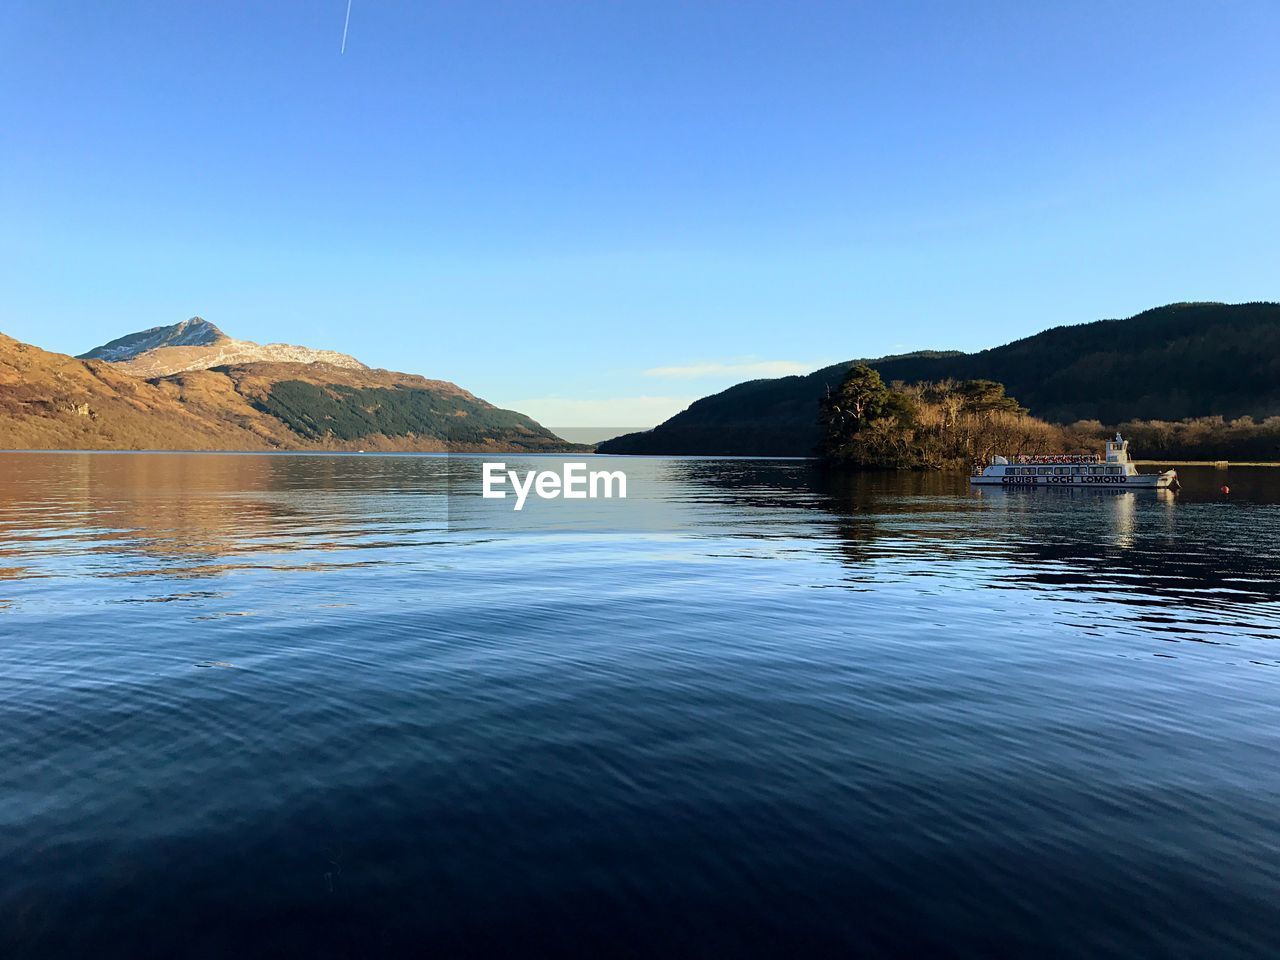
(185, 510)
(339, 706)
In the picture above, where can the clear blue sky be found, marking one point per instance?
(597, 211)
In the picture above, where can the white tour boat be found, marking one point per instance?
(1116, 471)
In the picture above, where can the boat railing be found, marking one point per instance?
(1052, 460)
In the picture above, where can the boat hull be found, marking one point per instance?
(1151, 481)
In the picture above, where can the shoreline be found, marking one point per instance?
(278, 451)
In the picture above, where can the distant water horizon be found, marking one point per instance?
(593, 434)
(327, 705)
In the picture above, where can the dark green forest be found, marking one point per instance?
(1182, 362)
(329, 411)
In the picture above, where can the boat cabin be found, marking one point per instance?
(1115, 467)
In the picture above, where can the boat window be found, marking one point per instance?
(1114, 471)
(1061, 471)
(1045, 471)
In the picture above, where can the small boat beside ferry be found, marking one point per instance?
(1115, 470)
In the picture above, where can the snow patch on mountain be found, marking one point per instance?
(196, 344)
(189, 333)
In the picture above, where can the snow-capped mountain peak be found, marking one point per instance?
(189, 333)
(196, 344)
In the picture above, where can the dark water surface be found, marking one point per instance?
(310, 706)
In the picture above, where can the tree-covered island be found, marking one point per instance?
(928, 426)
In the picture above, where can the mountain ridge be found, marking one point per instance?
(196, 331)
(196, 344)
(1177, 361)
(54, 401)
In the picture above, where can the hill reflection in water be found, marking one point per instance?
(340, 706)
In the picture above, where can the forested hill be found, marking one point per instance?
(53, 401)
(1178, 361)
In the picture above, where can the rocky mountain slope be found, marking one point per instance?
(196, 344)
(1173, 362)
(53, 401)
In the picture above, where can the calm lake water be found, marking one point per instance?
(325, 706)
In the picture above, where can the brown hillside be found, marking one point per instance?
(52, 401)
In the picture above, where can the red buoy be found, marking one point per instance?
(1225, 488)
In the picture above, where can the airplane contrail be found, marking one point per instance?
(346, 24)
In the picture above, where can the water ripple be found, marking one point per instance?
(317, 706)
